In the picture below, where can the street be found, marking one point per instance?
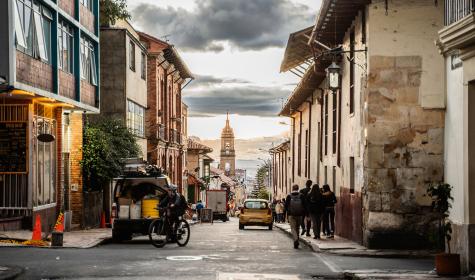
(215, 251)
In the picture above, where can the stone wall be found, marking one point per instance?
(404, 154)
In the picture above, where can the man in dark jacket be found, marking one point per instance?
(305, 191)
(329, 200)
(295, 207)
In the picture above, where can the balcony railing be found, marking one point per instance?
(455, 10)
(176, 136)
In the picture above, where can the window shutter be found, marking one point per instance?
(40, 39)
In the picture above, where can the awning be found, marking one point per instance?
(334, 19)
(311, 80)
(281, 147)
(297, 51)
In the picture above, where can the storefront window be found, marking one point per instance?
(44, 163)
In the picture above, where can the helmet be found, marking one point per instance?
(173, 188)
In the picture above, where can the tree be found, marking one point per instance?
(263, 194)
(106, 144)
(112, 10)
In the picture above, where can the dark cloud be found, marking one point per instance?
(245, 24)
(208, 81)
(251, 100)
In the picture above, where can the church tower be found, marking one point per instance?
(228, 155)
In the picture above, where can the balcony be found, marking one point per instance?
(456, 10)
(176, 137)
(161, 132)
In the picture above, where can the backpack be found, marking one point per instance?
(296, 207)
(182, 205)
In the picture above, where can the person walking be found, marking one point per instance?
(296, 209)
(315, 208)
(329, 201)
(306, 221)
(199, 206)
(284, 214)
(279, 210)
(274, 213)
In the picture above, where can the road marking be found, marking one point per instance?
(184, 258)
(331, 265)
(255, 276)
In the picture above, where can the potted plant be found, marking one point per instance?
(445, 263)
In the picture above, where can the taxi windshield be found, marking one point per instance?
(255, 205)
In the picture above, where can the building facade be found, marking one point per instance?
(49, 76)
(167, 76)
(227, 161)
(456, 44)
(197, 170)
(281, 162)
(124, 79)
(377, 138)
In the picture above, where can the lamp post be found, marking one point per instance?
(333, 76)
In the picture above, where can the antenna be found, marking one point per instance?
(165, 37)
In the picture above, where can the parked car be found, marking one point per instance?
(255, 212)
(136, 196)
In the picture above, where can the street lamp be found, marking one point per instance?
(333, 76)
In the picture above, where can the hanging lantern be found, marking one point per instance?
(333, 76)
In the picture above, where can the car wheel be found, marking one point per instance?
(241, 226)
(270, 226)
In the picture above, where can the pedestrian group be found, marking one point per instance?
(308, 208)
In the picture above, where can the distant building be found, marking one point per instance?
(197, 170)
(227, 154)
(49, 78)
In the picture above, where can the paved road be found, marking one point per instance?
(218, 251)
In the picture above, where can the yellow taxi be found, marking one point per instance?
(255, 212)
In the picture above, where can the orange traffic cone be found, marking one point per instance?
(103, 220)
(37, 229)
(59, 226)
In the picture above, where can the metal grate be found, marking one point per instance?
(13, 187)
(456, 10)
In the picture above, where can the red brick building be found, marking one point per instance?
(167, 75)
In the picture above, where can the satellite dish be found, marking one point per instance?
(46, 137)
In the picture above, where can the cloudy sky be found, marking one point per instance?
(234, 48)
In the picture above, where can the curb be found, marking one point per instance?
(9, 272)
(348, 252)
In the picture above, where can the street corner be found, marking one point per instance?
(9, 272)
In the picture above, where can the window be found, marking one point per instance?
(87, 4)
(135, 118)
(65, 47)
(33, 29)
(299, 156)
(326, 123)
(132, 56)
(143, 64)
(334, 121)
(306, 153)
(352, 71)
(352, 175)
(334, 178)
(88, 61)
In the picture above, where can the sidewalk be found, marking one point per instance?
(400, 275)
(81, 239)
(345, 247)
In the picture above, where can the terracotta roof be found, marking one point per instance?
(281, 147)
(222, 177)
(193, 145)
